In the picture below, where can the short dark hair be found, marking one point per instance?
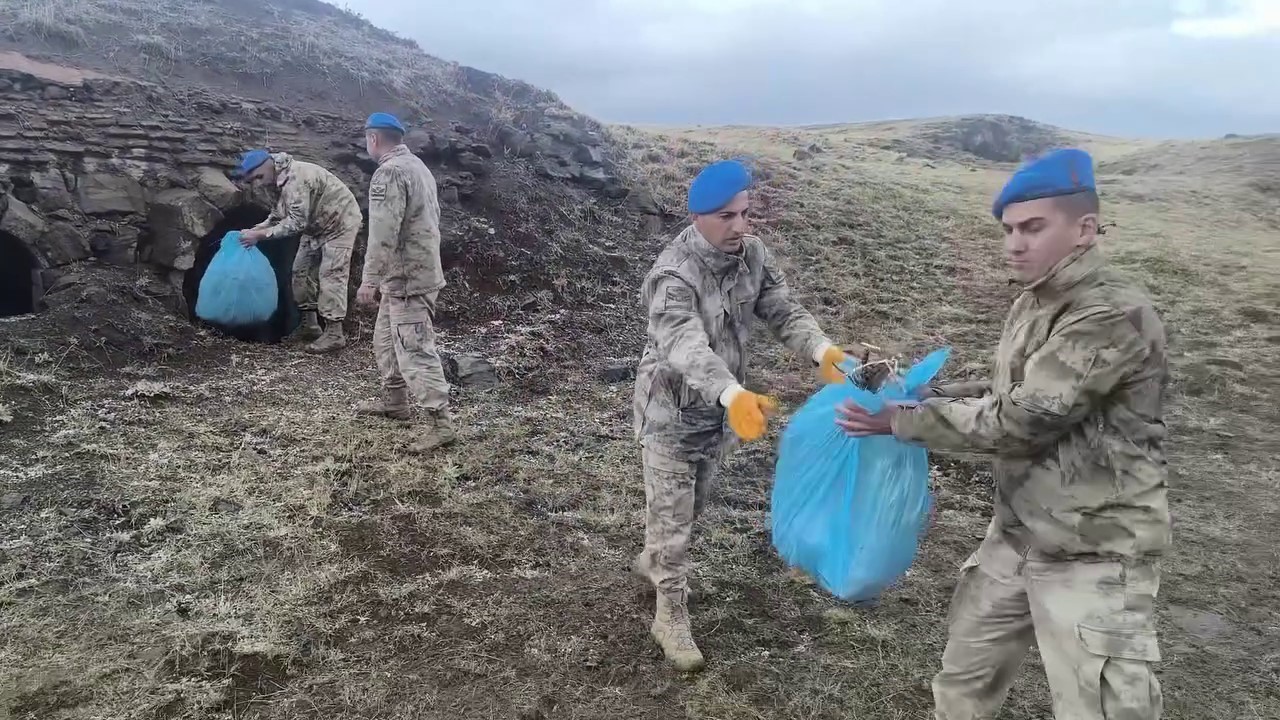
(1079, 204)
(390, 135)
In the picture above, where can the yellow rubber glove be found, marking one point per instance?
(828, 368)
(748, 414)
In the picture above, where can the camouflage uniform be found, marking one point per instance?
(403, 262)
(1073, 416)
(316, 204)
(701, 303)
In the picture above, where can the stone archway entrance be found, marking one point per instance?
(279, 252)
(18, 285)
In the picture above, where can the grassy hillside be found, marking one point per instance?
(217, 536)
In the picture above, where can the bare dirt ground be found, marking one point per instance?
(209, 532)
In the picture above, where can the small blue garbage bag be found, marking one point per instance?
(239, 286)
(850, 511)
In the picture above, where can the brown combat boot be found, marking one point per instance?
(671, 631)
(437, 432)
(332, 340)
(394, 404)
(308, 329)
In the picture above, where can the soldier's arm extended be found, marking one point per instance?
(966, 389)
(387, 199)
(787, 319)
(1091, 353)
(291, 212)
(675, 327)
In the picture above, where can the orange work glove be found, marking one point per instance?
(828, 368)
(748, 414)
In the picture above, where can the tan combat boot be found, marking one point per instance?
(671, 631)
(308, 329)
(437, 432)
(394, 404)
(332, 340)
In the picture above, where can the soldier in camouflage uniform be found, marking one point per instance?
(402, 265)
(1073, 416)
(701, 296)
(313, 202)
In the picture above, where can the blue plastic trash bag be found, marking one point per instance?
(850, 511)
(239, 286)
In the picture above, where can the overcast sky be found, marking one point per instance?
(1168, 68)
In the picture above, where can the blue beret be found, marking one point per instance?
(251, 160)
(383, 121)
(716, 186)
(1061, 172)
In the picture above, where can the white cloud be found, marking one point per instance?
(1243, 19)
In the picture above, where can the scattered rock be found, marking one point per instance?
(472, 370)
(449, 196)
(50, 189)
(104, 193)
(482, 150)
(801, 154)
(13, 500)
(1225, 363)
(64, 243)
(815, 148)
(616, 371)
(222, 505)
(56, 92)
(472, 163)
(179, 221)
(23, 223)
(6, 414)
(216, 187)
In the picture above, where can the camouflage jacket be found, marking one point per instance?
(1073, 416)
(313, 202)
(701, 304)
(403, 258)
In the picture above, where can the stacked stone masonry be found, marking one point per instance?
(127, 172)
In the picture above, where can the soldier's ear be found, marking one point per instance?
(1088, 228)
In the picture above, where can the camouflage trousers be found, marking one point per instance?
(404, 343)
(321, 269)
(677, 482)
(1093, 622)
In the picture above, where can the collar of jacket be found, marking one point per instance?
(1069, 272)
(396, 151)
(284, 167)
(720, 262)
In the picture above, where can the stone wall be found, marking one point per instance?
(130, 173)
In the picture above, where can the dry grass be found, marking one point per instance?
(219, 537)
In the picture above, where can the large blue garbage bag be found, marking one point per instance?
(239, 286)
(850, 511)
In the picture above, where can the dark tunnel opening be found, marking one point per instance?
(280, 252)
(17, 277)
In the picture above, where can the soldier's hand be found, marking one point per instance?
(367, 295)
(829, 367)
(749, 413)
(250, 237)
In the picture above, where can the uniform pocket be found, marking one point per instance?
(1118, 682)
(1122, 643)
(409, 336)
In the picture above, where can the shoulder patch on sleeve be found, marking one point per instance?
(677, 297)
(377, 191)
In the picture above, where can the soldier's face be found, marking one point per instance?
(1038, 234)
(264, 175)
(725, 227)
